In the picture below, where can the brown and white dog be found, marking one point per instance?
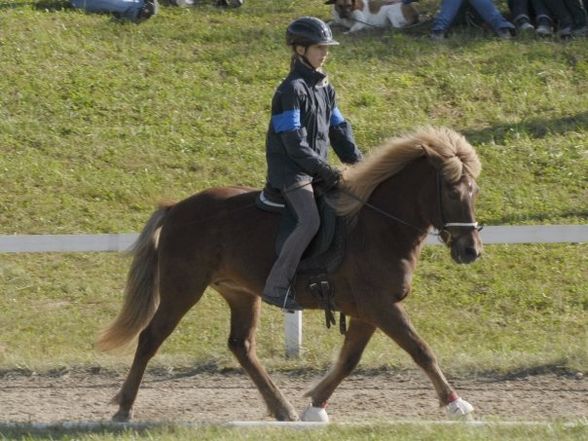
(360, 14)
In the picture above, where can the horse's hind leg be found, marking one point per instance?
(171, 309)
(356, 339)
(396, 324)
(244, 317)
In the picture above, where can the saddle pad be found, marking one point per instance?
(326, 250)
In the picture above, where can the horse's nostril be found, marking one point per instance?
(471, 252)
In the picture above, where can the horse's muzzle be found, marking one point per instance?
(466, 248)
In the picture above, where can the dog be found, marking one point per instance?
(356, 15)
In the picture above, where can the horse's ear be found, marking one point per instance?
(330, 2)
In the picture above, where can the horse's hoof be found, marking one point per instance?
(122, 417)
(314, 415)
(460, 409)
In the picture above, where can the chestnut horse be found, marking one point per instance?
(219, 238)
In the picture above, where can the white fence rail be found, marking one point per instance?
(70, 243)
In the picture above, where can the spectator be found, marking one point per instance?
(219, 3)
(450, 9)
(571, 17)
(133, 10)
(523, 13)
(230, 3)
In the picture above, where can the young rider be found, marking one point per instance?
(304, 121)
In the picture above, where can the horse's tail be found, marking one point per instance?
(141, 292)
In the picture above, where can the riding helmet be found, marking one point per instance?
(306, 31)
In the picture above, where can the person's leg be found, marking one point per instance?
(446, 15)
(521, 14)
(560, 13)
(491, 15)
(577, 12)
(301, 200)
(519, 9)
(543, 18)
(128, 9)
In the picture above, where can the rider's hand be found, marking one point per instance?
(331, 177)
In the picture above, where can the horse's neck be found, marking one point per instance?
(408, 196)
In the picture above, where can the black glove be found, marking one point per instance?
(331, 177)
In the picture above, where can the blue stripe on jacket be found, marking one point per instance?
(286, 121)
(336, 117)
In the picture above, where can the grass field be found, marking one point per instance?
(100, 119)
(375, 432)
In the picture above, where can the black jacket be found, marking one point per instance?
(305, 119)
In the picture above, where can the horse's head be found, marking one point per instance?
(456, 194)
(457, 226)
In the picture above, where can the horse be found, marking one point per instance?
(218, 237)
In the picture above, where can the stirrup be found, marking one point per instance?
(285, 301)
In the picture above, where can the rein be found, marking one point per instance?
(384, 212)
(442, 233)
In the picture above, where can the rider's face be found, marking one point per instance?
(315, 54)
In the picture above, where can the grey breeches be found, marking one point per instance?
(301, 200)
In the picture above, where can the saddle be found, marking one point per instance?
(323, 255)
(325, 252)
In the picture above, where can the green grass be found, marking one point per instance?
(101, 119)
(519, 307)
(396, 432)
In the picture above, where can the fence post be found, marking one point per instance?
(293, 333)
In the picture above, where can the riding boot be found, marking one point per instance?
(283, 298)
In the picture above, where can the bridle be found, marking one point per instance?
(443, 233)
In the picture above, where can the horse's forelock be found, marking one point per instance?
(457, 157)
(456, 153)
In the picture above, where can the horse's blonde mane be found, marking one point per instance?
(453, 153)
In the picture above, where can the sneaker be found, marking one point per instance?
(524, 26)
(504, 33)
(150, 8)
(580, 32)
(182, 3)
(229, 3)
(438, 35)
(285, 300)
(544, 30)
(565, 33)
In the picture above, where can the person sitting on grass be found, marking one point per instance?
(571, 18)
(133, 10)
(526, 14)
(450, 9)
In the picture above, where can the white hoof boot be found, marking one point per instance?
(460, 410)
(315, 415)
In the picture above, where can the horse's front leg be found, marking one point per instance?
(244, 318)
(356, 338)
(395, 323)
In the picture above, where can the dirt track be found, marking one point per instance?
(220, 397)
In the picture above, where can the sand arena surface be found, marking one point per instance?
(199, 395)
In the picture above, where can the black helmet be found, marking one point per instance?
(306, 31)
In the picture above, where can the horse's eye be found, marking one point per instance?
(452, 193)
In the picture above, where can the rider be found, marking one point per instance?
(304, 120)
